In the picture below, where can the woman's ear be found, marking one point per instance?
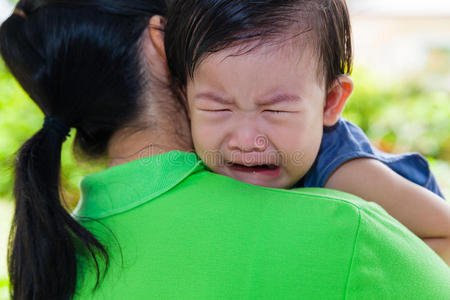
(156, 29)
(337, 96)
(153, 50)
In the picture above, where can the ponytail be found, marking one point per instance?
(42, 247)
(80, 62)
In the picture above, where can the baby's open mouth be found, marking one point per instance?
(266, 169)
(264, 166)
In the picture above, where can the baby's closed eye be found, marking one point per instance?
(275, 111)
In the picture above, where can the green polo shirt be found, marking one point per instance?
(176, 231)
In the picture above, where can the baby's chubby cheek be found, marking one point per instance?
(298, 156)
(206, 146)
(296, 166)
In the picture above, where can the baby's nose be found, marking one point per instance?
(247, 139)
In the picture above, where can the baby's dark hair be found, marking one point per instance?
(198, 28)
(80, 62)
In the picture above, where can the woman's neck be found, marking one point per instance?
(132, 143)
(125, 146)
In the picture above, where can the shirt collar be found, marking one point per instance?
(126, 186)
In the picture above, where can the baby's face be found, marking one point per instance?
(257, 117)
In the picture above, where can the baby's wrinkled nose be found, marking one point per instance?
(247, 138)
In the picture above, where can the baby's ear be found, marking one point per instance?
(338, 93)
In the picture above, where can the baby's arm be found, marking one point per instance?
(420, 210)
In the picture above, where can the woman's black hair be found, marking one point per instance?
(210, 26)
(80, 62)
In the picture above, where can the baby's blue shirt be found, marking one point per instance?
(345, 141)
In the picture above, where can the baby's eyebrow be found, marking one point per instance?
(277, 98)
(213, 97)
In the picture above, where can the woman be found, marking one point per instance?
(76, 87)
(157, 224)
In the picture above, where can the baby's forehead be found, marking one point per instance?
(300, 49)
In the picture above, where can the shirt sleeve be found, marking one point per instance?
(389, 262)
(345, 141)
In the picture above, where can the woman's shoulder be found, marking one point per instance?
(206, 236)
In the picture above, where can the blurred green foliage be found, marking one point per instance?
(401, 116)
(4, 286)
(20, 118)
(398, 117)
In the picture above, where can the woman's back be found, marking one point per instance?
(185, 233)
